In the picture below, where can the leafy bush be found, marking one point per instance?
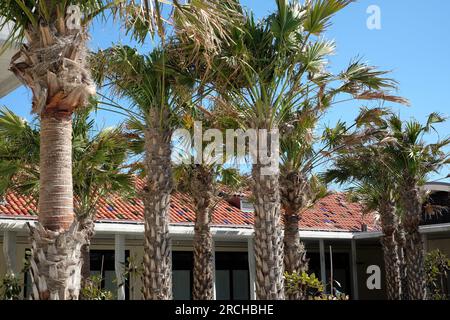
(437, 266)
(93, 289)
(10, 287)
(308, 287)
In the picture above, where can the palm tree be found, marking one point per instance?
(299, 187)
(201, 181)
(52, 63)
(152, 88)
(374, 187)
(98, 160)
(272, 68)
(411, 160)
(159, 85)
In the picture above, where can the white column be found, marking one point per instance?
(119, 263)
(323, 271)
(354, 271)
(425, 242)
(9, 251)
(214, 269)
(251, 268)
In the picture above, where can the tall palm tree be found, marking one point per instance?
(271, 68)
(201, 181)
(411, 160)
(98, 160)
(299, 188)
(374, 187)
(52, 63)
(158, 90)
(153, 90)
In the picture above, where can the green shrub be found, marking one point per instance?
(437, 266)
(308, 287)
(10, 287)
(93, 290)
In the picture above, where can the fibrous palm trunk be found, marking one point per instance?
(52, 65)
(87, 225)
(56, 240)
(414, 254)
(157, 275)
(202, 193)
(400, 238)
(294, 193)
(268, 241)
(389, 225)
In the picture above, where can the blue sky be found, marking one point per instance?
(412, 42)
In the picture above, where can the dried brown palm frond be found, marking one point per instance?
(379, 95)
(201, 27)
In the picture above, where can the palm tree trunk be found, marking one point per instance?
(157, 277)
(87, 225)
(389, 223)
(400, 238)
(293, 192)
(268, 236)
(203, 259)
(294, 250)
(85, 264)
(56, 240)
(414, 254)
(202, 192)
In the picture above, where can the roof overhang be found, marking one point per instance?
(427, 229)
(186, 232)
(437, 186)
(178, 232)
(8, 81)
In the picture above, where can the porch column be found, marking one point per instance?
(9, 251)
(425, 243)
(251, 268)
(323, 271)
(214, 268)
(119, 264)
(354, 271)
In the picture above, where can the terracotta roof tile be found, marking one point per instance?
(330, 213)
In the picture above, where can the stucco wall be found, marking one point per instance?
(367, 255)
(441, 244)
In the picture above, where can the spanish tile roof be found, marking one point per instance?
(332, 213)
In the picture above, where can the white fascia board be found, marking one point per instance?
(219, 233)
(437, 186)
(433, 228)
(312, 234)
(14, 224)
(426, 229)
(179, 231)
(367, 235)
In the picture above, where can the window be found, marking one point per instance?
(341, 270)
(232, 276)
(102, 261)
(182, 266)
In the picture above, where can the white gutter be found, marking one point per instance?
(179, 231)
(136, 229)
(311, 234)
(426, 229)
(8, 81)
(432, 228)
(220, 233)
(437, 186)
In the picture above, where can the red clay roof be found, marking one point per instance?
(332, 213)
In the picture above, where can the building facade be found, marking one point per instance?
(342, 244)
